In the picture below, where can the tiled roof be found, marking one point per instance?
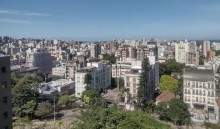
(166, 96)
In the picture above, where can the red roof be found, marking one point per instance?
(166, 96)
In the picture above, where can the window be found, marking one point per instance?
(128, 84)
(134, 90)
(4, 85)
(3, 69)
(134, 80)
(5, 99)
(5, 114)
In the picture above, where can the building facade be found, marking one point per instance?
(59, 71)
(132, 79)
(5, 93)
(39, 57)
(199, 93)
(206, 46)
(101, 77)
(187, 53)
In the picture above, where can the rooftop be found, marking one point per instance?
(166, 96)
(201, 75)
(87, 69)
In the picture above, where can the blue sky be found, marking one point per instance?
(110, 19)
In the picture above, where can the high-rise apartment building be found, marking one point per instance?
(206, 46)
(132, 52)
(95, 50)
(187, 53)
(101, 77)
(132, 79)
(180, 51)
(5, 93)
(39, 58)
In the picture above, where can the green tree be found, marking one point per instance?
(217, 52)
(178, 111)
(29, 108)
(143, 81)
(24, 96)
(168, 83)
(110, 58)
(64, 100)
(88, 79)
(162, 110)
(170, 66)
(201, 60)
(209, 125)
(89, 95)
(93, 99)
(44, 109)
(121, 83)
(112, 118)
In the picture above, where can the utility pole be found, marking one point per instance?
(54, 108)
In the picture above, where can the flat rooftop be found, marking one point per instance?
(200, 75)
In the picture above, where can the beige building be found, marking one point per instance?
(187, 53)
(5, 93)
(206, 46)
(132, 79)
(59, 71)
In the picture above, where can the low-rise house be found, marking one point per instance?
(166, 96)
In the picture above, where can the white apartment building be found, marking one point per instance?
(59, 71)
(206, 46)
(187, 53)
(119, 69)
(39, 57)
(101, 77)
(216, 46)
(95, 50)
(180, 51)
(199, 93)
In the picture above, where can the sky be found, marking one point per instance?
(110, 19)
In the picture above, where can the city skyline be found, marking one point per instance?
(107, 20)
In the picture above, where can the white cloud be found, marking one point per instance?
(15, 21)
(27, 22)
(35, 14)
(7, 12)
(27, 13)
